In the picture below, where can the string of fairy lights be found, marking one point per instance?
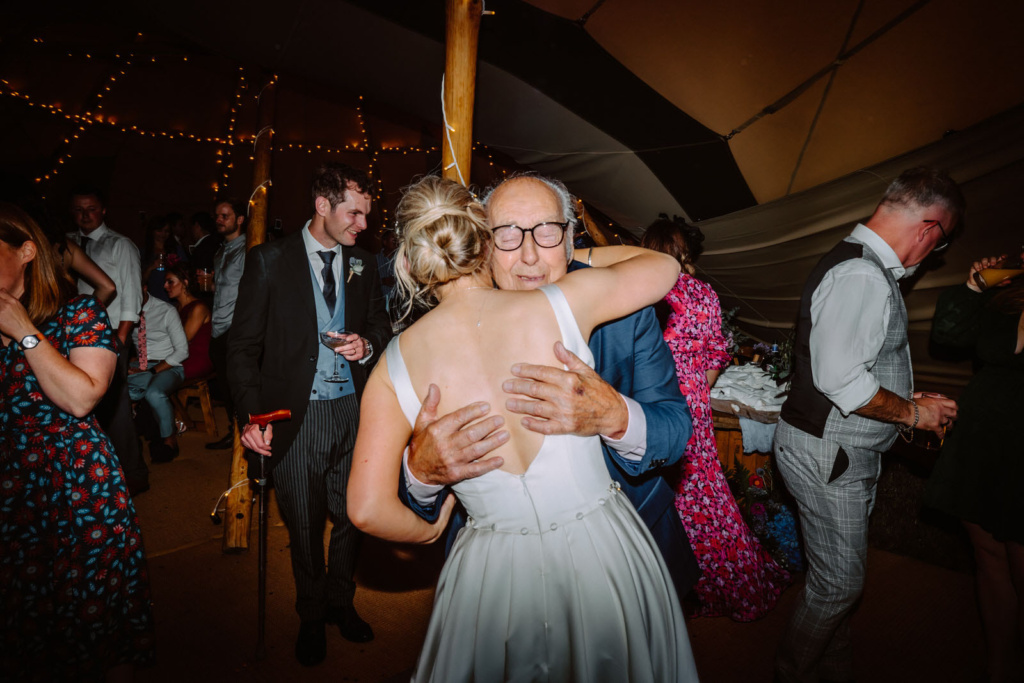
(95, 115)
(225, 162)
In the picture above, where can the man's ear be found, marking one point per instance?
(322, 206)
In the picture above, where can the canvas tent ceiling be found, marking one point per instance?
(631, 103)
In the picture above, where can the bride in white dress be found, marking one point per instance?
(554, 577)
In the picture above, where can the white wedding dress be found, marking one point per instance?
(554, 577)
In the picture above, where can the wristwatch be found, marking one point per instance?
(369, 348)
(29, 341)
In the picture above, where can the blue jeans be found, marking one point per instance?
(156, 388)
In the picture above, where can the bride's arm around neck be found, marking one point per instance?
(624, 279)
(373, 504)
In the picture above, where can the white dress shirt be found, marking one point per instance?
(312, 253)
(849, 315)
(165, 337)
(118, 257)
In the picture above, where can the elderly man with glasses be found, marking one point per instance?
(852, 394)
(632, 399)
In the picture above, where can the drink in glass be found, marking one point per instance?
(332, 339)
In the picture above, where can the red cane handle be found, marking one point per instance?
(266, 418)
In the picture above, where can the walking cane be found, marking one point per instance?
(261, 617)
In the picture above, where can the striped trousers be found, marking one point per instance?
(310, 483)
(834, 487)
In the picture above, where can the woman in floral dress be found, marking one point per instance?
(75, 603)
(740, 579)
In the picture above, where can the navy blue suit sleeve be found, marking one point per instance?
(656, 389)
(428, 512)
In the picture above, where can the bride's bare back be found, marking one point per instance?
(467, 346)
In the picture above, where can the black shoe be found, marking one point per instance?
(219, 445)
(311, 645)
(159, 452)
(351, 626)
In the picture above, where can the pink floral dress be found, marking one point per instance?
(740, 579)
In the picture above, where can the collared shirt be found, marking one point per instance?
(227, 273)
(165, 337)
(118, 257)
(313, 249)
(312, 253)
(849, 316)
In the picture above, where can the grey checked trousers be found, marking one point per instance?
(834, 487)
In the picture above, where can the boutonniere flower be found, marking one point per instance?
(355, 267)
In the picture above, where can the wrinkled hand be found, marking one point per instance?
(354, 349)
(447, 450)
(255, 440)
(978, 266)
(574, 401)
(14, 320)
(937, 412)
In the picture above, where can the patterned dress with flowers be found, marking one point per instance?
(75, 599)
(740, 579)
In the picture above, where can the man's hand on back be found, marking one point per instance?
(447, 450)
(574, 401)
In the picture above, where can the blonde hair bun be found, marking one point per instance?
(443, 236)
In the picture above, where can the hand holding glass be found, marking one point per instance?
(335, 339)
(1005, 268)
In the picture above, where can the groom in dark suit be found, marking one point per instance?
(632, 400)
(293, 289)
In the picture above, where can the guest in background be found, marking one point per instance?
(118, 256)
(75, 599)
(739, 578)
(205, 243)
(76, 263)
(162, 347)
(195, 318)
(978, 474)
(230, 216)
(162, 250)
(180, 229)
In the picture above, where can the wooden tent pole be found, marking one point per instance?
(238, 508)
(599, 236)
(463, 31)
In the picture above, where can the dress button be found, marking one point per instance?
(553, 526)
(600, 501)
(314, 391)
(312, 359)
(524, 531)
(579, 515)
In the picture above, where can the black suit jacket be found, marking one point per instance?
(274, 339)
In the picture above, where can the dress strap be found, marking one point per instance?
(572, 338)
(400, 379)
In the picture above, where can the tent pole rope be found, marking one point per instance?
(824, 97)
(803, 87)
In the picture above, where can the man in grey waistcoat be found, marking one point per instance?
(292, 289)
(852, 393)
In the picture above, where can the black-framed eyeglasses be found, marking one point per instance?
(546, 235)
(944, 242)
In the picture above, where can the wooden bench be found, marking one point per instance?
(198, 388)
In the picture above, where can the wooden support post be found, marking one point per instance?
(238, 508)
(463, 30)
(601, 239)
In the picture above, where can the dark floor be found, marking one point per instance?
(917, 621)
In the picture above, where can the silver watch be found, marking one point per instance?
(29, 341)
(369, 348)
